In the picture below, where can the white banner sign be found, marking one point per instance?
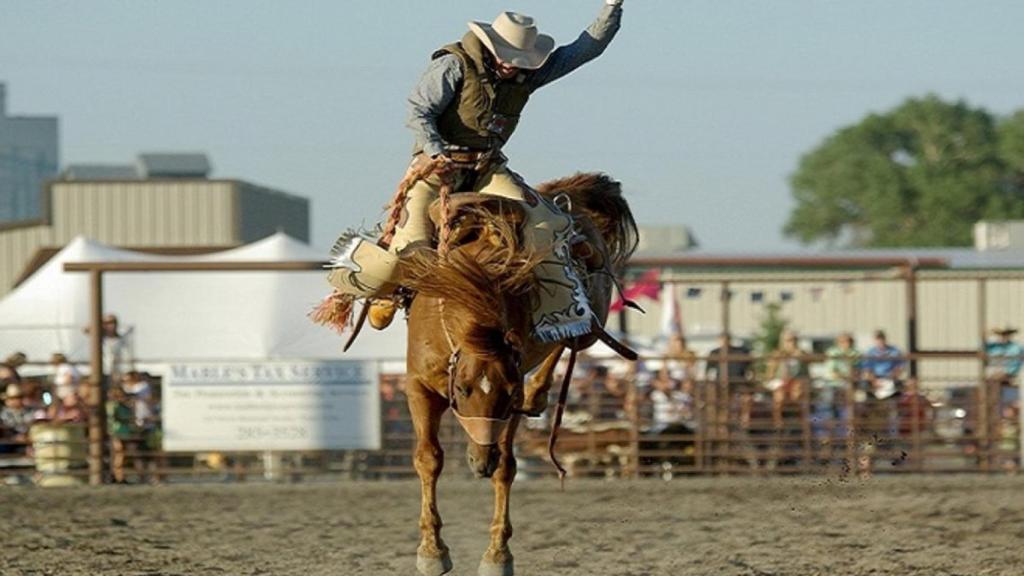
(271, 406)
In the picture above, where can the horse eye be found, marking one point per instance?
(462, 391)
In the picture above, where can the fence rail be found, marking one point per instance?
(625, 421)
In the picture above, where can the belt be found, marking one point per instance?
(475, 160)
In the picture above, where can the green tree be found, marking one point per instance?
(919, 175)
(1011, 147)
(771, 325)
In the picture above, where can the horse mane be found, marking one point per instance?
(488, 282)
(599, 197)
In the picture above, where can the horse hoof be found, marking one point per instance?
(488, 569)
(429, 566)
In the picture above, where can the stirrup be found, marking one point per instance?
(381, 312)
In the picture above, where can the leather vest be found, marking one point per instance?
(486, 110)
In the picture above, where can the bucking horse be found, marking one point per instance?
(469, 345)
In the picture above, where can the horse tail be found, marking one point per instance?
(599, 198)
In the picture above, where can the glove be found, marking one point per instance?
(423, 165)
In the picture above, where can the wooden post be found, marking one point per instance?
(851, 418)
(633, 412)
(700, 399)
(806, 431)
(911, 290)
(1020, 426)
(723, 449)
(98, 409)
(984, 422)
(915, 425)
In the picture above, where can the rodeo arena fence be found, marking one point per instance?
(671, 414)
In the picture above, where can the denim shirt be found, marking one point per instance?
(439, 85)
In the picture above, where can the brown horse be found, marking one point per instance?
(470, 348)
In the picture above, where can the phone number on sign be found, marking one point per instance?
(272, 432)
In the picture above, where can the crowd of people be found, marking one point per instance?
(764, 401)
(59, 394)
(760, 399)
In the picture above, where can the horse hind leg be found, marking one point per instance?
(432, 556)
(497, 560)
(535, 400)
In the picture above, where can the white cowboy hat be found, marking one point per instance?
(513, 39)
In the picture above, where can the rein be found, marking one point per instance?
(481, 429)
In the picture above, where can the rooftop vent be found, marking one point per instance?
(173, 166)
(999, 236)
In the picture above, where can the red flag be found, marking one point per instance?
(647, 286)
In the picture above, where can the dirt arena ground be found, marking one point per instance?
(751, 527)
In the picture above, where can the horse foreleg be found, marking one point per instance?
(497, 560)
(535, 400)
(432, 558)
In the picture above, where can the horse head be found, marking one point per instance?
(483, 290)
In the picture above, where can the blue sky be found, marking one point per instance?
(701, 108)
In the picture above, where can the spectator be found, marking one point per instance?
(16, 360)
(124, 437)
(8, 375)
(739, 370)
(612, 402)
(66, 378)
(671, 406)
(68, 410)
(1004, 363)
(680, 360)
(117, 358)
(15, 419)
(841, 371)
(140, 393)
(787, 376)
(882, 367)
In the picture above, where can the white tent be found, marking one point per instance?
(186, 316)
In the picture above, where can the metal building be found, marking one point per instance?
(176, 210)
(28, 157)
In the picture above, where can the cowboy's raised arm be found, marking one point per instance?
(590, 44)
(432, 95)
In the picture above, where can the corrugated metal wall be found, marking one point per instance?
(948, 312)
(136, 214)
(816, 308)
(262, 212)
(17, 246)
(146, 213)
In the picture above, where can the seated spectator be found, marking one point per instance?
(66, 378)
(883, 367)
(16, 360)
(739, 370)
(671, 406)
(139, 392)
(124, 437)
(612, 400)
(1004, 363)
(787, 375)
(68, 410)
(841, 371)
(680, 360)
(15, 419)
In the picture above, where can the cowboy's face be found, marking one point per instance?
(504, 70)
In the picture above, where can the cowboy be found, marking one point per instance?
(462, 112)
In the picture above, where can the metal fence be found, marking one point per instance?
(625, 420)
